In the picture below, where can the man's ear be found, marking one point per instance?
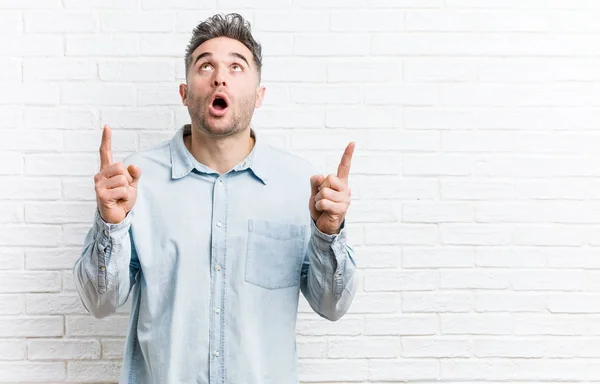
(260, 94)
(183, 93)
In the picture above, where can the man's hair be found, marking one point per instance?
(231, 25)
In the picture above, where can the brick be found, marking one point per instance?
(11, 304)
(54, 304)
(59, 118)
(12, 349)
(149, 71)
(11, 213)
(137, 118)
(455, 257)
(100, 4)
(441, 21)
(101, 45)
(410, 324)
(90, 326)
(11, 164)
(62, 165)
(409, 94)
(428, 347)
(63, 349)
(510, 302)
(438, 302)
(389, 281)
(31, 46)
(549, 324)
(30, 235)
(440, 69)
(362, 117)
(474, 279)
(147, 21)
(318, 370)
(11, 72)
(11, 258)
(336, 44)
(149, 95)
(303, 94)
(51, 258)
(32, 372)
(29, 188)
(163, 45)
(367, 21)
(365, 71)
(481, 324)
(402, 234)
(29, 4)
(123, 141)
(25, 281)
(113, 348)
(33, 326)
(90, 372)
(475, 234)
(60, 22)
(10, 115)
(74, 235)
(177, 4)
(97, 94)
(363, 348)
(437, 165)
(436, 212)
(348, 325)
(389, 370)
(287, 21)
(29, 93)
(20, 140)
(59, 69)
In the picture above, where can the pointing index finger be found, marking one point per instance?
(344, 167)
(105, 148)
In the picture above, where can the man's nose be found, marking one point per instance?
(219, 79)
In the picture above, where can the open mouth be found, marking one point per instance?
(219, 103)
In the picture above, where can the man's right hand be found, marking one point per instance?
(116, 185)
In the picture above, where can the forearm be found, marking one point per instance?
(329, 284)
(102, 272)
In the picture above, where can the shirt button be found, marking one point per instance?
(218, 310)
(106, 233)
(217, 354)
(102, 267)
(219, 224)
(218, 267)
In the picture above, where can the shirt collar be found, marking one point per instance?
(182, 161)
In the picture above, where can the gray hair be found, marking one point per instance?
(231, 25)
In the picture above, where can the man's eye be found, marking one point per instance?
(236, 67)
(205, 66)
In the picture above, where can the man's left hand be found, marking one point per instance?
(330, 196)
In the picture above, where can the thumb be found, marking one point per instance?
(135, 173)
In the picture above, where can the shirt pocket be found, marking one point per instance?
(274, 254)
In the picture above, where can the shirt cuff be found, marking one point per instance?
(106, 231)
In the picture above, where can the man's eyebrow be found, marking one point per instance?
(203, 54)
(239, 56)
(233, 54)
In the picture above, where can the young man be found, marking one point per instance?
(216, 239)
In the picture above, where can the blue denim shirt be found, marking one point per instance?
(215, 264)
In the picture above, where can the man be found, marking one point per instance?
(216, 240)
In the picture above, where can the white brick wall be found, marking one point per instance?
(476, 178)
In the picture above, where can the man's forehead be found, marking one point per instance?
(222, 47)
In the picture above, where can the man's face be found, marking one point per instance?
(222, 87)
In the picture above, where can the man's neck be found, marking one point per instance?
(219, 153)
